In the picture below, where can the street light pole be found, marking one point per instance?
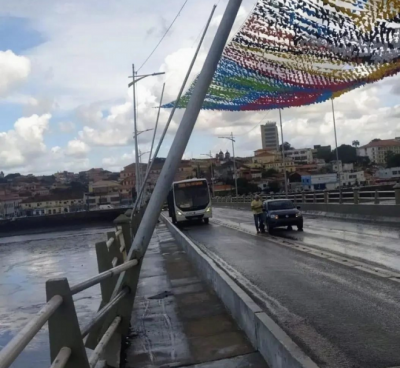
(144, 179)
(171, 115)
(212, 170)
(337, 152)
(145, 231)
(135, 133)
(136, 79)
(283, 155)
(232, 139)
(140, 170)
(138, 176)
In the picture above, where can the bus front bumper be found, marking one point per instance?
(193, 216)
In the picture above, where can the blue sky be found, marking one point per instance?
(65, 105)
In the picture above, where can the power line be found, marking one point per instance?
(165, 34)
(255, 126)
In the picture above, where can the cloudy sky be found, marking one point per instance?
(65, 103)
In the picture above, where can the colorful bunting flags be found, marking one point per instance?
(300, 52)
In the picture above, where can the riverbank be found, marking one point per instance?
(25, 225)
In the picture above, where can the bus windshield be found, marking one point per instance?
(191, 196)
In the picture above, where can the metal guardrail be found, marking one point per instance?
(67, 340)
(345, 197)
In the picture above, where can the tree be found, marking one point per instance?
(388, 157)
(269, 173)
(244, 186)
(12, 176)
(392, 160)
(286, 146)
(355, 143)
(347, 154)
(324, 153)
(274, 186)
(363, 161)
(375, 140)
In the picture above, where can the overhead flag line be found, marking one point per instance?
(299, 52)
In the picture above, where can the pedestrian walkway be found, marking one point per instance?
(178, 321)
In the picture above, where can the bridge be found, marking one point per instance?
(222, 296)
(325, 297)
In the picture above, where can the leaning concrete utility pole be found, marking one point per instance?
(171, 115)
(149, 221)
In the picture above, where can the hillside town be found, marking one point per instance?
(376, 163)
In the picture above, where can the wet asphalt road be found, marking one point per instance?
(371, 242)
(26, 262)
(342, 317)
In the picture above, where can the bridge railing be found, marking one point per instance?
(103, 334)
(344, 196)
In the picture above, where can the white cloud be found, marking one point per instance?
(14, 70)
(66, 126)
(95, 106)
(77, 148)
(25, 142)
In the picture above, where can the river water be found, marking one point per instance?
(26, 262)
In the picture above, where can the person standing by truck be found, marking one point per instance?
(257, 208)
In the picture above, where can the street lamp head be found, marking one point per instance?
(138, 78)
(230, 138)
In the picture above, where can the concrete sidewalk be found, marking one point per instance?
(178, 321)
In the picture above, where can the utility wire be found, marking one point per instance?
(165, 34)
(254, 127)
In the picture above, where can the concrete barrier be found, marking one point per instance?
(363, 212)
(277, 348)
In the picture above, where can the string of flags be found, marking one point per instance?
(300, 52)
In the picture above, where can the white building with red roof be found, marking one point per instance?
(376, 150)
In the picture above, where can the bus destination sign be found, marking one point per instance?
(191, 184)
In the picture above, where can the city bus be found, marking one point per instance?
(190, 200)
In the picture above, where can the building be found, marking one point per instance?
(249, 173)
(352, 178)
(269, 136)
(263, 156)
(9, 206)
(287, 165)
(338, 166)
(319, 182)
(52, 204)
(65, 177)
(376, 150)
(388, 174)
(127, 176)
(95, 199)
(94, 175)
(222, 190)
(272, 160)
(104, 186)
(301, 156)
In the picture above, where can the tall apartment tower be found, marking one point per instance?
(269, 136)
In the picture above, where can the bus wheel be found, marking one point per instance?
(206, 221)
